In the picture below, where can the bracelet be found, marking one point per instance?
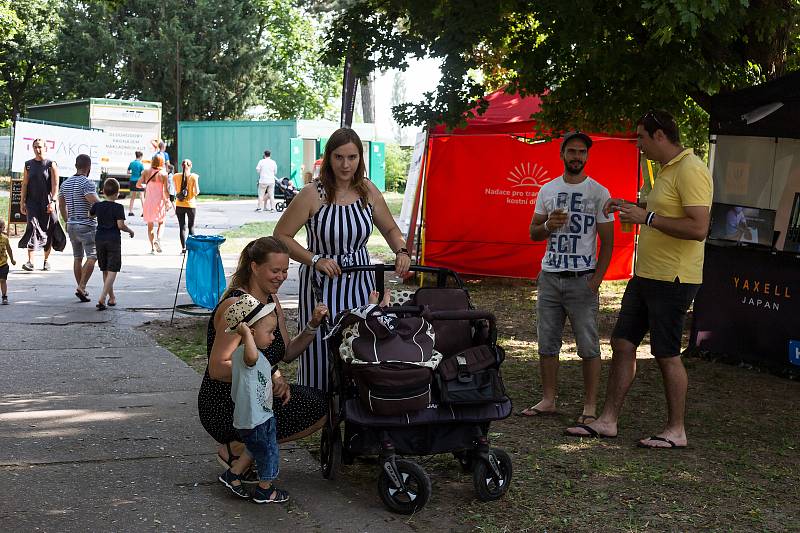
(545, 227)
(402, 251)
(649, 219)
(310, 329)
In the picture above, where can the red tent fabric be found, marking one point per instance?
(507, 113)
(481, 186)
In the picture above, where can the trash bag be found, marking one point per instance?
(205, 275)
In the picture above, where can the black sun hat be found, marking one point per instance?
(575, 134)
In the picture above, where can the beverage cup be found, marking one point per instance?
(626, 227)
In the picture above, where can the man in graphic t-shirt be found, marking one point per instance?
(569, 218)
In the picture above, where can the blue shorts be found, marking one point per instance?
(262, 445)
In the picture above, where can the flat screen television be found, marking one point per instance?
(742, 224)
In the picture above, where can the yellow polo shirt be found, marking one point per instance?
(683, 182)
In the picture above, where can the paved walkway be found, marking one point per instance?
(98, 424)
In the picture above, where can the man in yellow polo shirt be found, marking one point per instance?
(667, 275)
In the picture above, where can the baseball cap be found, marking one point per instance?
(575, 134)
(246, 309)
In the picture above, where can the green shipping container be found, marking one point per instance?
(225, 153)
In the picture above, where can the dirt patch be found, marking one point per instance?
(739, 474)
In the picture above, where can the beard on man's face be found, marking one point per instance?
(574, 167)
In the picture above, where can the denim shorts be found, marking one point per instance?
(82, 238)
(558, 298)
(262, 445)
(656, 306)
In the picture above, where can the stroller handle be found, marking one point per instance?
(441, 273)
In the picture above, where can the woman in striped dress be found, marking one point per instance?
(338, 211)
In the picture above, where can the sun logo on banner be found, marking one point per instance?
(528, 175)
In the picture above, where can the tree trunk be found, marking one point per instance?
(367, 89)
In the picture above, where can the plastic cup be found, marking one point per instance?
(626, 227)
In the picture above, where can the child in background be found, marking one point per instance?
(251, 392)
(110, 220)
(5, 255)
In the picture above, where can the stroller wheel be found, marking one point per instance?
(330, 451)
(488, 485)
(279, 206)
(417, 490)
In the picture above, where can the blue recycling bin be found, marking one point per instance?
(205, 275)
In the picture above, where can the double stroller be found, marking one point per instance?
(379, 406)
(286, 191)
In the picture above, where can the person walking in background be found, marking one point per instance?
(37, 203)
(667, 275)
(170, 183)
(77, 195)
(156, 200)
(110, 220)
(569, 216)
(6, 255)
(135, 169)
(188, 188)
(267, 170)
(162, 153)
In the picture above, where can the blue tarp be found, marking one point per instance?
(205, 276)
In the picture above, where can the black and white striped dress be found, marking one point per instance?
(339, 232)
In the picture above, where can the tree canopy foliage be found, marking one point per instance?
(597, 62)
(220, 56)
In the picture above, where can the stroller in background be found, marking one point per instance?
(286, 191)
(442, 427)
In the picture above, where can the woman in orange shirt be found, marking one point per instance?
(185, 206)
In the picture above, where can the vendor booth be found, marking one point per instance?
(479, 187)
(748, 309)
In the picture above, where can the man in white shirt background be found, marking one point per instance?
(267, 171)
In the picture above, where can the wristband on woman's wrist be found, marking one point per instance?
(649, 219)
(310, 329)
(402, 250)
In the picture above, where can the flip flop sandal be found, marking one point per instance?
(591, 433)
(672, 445)
(101, 307)
(583, 419)
(82, 296)
(535, 412)
(111, 304)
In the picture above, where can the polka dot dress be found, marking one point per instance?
(214, 404)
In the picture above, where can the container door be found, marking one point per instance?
(296, 161)
(377, 164)
(321, 146)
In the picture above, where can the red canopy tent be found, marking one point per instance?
(480, 185)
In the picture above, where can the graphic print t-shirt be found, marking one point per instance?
(574, 245)
(251, 390)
